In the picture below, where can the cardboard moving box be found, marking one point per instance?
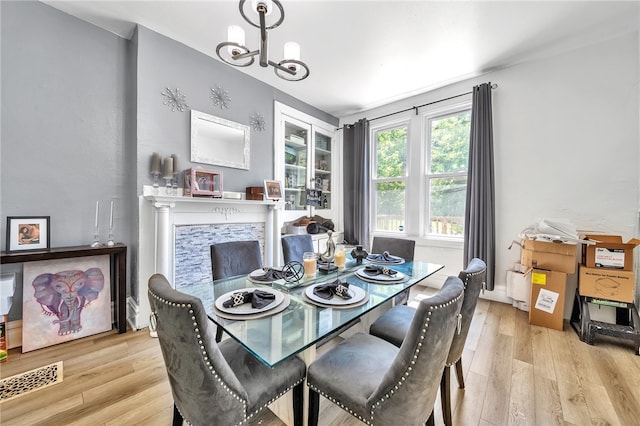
(608, 252)
(606, 284)
(548, 290)
(559, 257)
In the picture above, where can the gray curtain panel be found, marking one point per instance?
(479, 224)
(356, 182)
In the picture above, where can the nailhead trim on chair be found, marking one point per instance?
(402, 379)
(205, 357)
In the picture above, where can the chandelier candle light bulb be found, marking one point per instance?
(235, 34)
(291, 51)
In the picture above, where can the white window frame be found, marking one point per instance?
(416, 191)
(427, 176)
(374, 180)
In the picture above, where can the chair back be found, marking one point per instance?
(395, 246)
(294, 246)
(198, 373)
(409, 388)
(473, 278)
(235, 258)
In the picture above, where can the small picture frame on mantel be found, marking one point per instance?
(27, 233)
(272, 190)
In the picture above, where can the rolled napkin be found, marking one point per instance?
(337, 287)
(379, 270)
(272, 274)
(258, 298)
(384, 257)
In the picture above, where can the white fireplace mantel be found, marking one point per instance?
(159, 216)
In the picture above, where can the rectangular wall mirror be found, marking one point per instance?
(219, 142)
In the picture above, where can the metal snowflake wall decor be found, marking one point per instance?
(220, 97)
(175, 100)
(258, 122)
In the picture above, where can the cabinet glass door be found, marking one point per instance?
(296, 173)
(322, 153)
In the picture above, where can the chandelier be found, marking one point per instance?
(234, 52)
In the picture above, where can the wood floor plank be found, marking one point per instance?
(146, 410)
(574, 405)
(496, 407)
(43, 414)
(477, 324)
(542, 354)
(600, 408)
(547, 401)
(507, 320)
(523, 348)
(469, 405)
(583, 360)
(621, 387)
(521, 406)
(483, 358)
(562, 360)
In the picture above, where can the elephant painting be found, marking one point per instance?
(65, 294)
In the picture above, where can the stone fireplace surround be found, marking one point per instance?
(180, 226)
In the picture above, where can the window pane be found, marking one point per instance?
(391, 153)
(450, 143)
(389, 206)
(447, 198)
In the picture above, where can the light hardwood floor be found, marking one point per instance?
(515, 374)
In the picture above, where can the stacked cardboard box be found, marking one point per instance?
(606, 270)
(549, 264)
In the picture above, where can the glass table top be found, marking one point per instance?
(274, 338)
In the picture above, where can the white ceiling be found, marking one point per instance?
(364, 54)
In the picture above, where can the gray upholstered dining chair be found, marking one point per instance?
(294, 246)
(235, 258)
(397, 247)
(214, 383)
(379, 383)
(394, 325)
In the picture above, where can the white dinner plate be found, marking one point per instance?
(246, 308)
(398, 277)
(357, 294)
(257, 273)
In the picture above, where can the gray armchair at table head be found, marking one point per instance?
(395, 246)
(398, 247)
(235, 258)
(381, 384)
(394, 324)
(214, 383)
(294, 246)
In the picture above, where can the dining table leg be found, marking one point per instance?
(283, 407)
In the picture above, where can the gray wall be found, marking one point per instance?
(82, 111)
(63, 125)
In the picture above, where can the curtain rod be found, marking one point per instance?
(415, 108)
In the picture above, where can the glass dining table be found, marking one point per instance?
(302, 325)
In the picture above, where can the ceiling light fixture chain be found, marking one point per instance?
(234, 52)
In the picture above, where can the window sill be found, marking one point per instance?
(445, 242)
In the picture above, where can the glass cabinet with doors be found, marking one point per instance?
(305, 158)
